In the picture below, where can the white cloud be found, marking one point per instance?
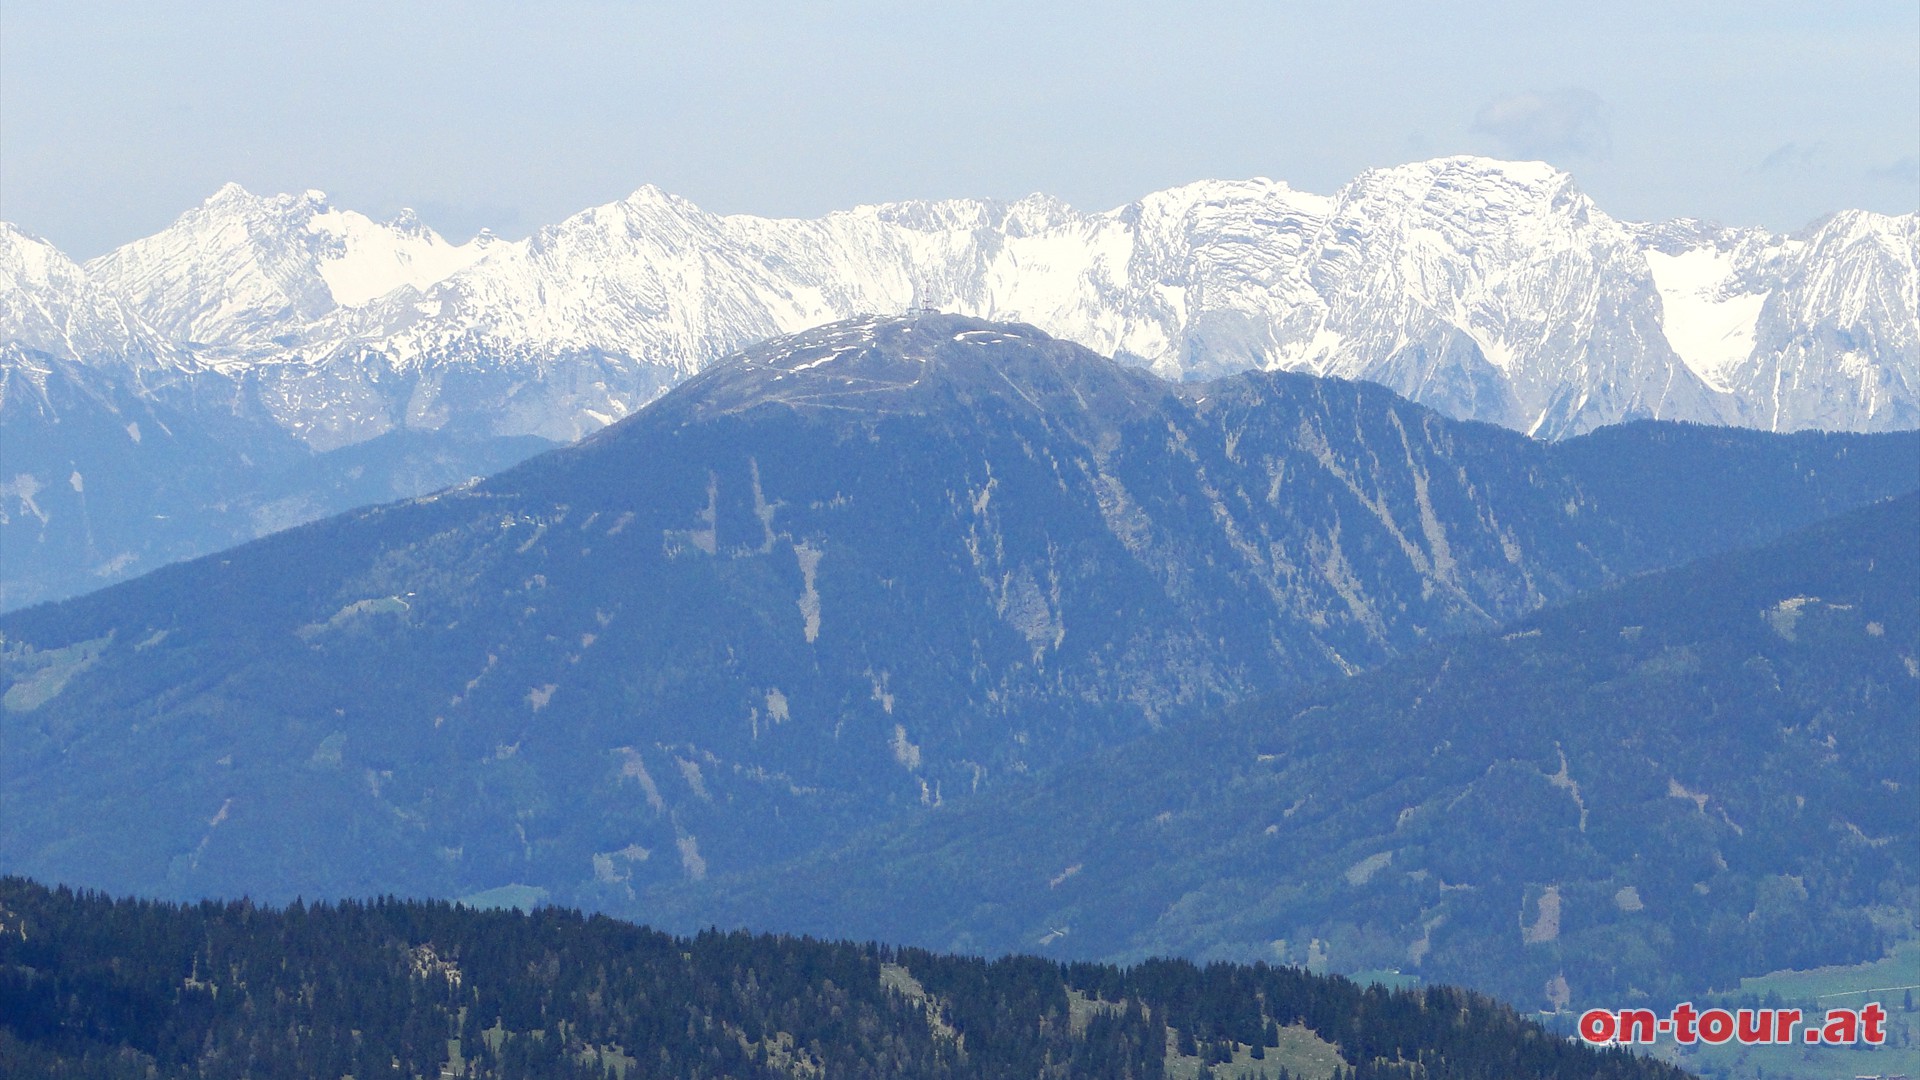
(1553, 124)
(1788, 156)
(1904, 172)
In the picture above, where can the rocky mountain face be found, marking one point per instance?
(1487, 290)
(867, 569)
(1698, 775)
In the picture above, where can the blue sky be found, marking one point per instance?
(116, 117)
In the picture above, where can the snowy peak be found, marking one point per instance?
(1838, 343)
(1487, 218)
(1474, 285)
(1467, 172)
(243, 272)
(33, 264)
(49, 304)
(1483, 213)
(1856, 262)
(862, 366)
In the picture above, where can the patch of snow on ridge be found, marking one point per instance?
(1710, 327)
(828, 358)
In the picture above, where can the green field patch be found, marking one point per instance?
(38, 675)
(1387, 977)
(1301, 1052)
(1844, 986)
(352, 613)
(1083, 1007)
(1887, 980)
(523, 897)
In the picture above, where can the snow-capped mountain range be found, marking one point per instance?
(1489, 290)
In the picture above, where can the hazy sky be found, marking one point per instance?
(115, 117)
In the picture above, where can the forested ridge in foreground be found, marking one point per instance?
(96, 987)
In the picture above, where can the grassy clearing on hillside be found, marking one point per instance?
(522, 897)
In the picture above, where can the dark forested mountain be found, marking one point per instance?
(1700, 774)
(861, 570)
(97, 989)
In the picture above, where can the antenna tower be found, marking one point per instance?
(922, 301)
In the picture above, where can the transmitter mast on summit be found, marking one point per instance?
(922, 301)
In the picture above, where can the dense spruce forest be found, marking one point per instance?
(96, 987)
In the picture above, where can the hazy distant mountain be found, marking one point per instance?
(871, 567)
(1701, 774)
